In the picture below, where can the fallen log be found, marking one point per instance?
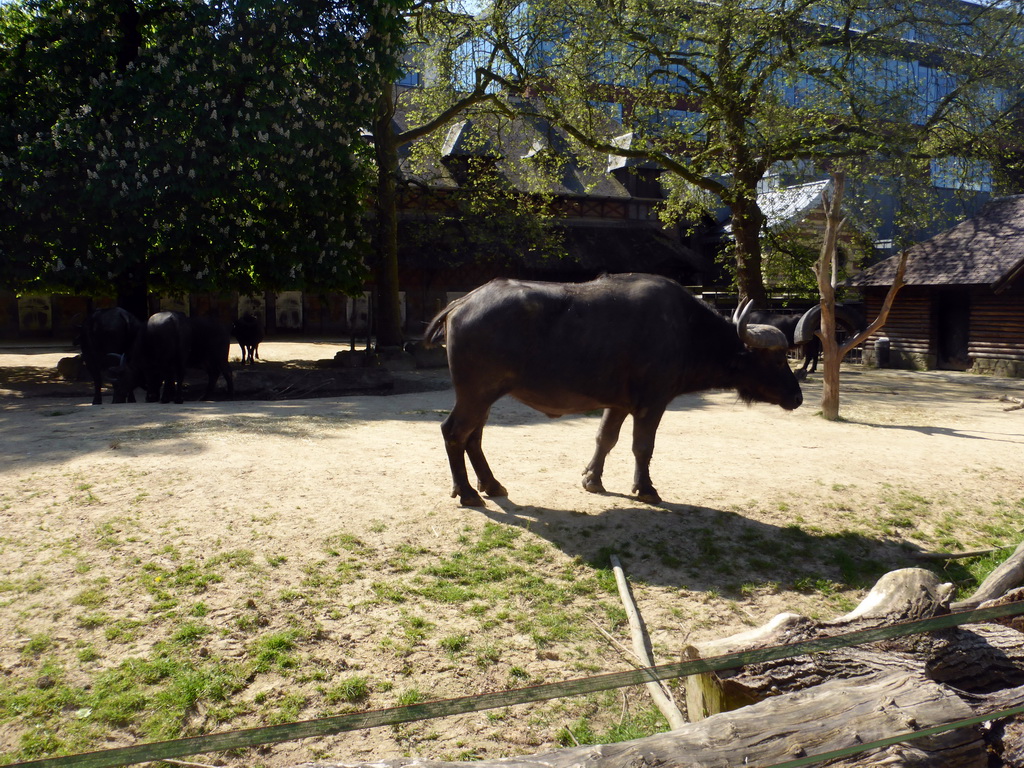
(840, 700)
(1007, 576)
(832, 717)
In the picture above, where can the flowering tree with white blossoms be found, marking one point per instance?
(186, 144)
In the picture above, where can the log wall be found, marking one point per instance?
(908, 329)
(996, 330)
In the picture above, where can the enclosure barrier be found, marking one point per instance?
(329, 726)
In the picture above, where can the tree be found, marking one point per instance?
(439, 45)
(721, 95)
(825, 270)
(181, 145)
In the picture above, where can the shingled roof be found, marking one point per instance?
(985, 250)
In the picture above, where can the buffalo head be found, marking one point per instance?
(766, 376)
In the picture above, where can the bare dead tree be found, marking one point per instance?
(826, 270)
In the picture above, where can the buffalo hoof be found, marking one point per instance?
(593, 485)
(493, 488)
(468, 498)
(650, 496)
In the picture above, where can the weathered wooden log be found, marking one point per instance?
(641, 647)
(835, 715)
(972, 658)
(815, 704)
(1007, 576)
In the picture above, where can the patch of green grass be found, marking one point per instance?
(92, 597)
(275, 650)
(488, 656)
(645, 722)
(339, 543)
(822, 586)
(238, 558)
(190, 633)
(123, 630)
(454, 644)
(416, 628)
(388, 592)
(410, 696)
(87, 654)
(496, 536)
(518, 674)
(349, 691)
(37, 645)
(29, 585)
(92, 620)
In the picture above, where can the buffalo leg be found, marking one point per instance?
(179, 381)
(229, 379)
(645, 426)
(457, 429)
(607, 437)
(486, 481)
(212, 374)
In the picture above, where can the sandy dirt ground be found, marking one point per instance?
(326, 524)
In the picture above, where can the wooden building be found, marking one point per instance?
(962, 307)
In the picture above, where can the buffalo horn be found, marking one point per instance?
(808, 324)
(757, 335)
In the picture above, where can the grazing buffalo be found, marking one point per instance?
(248, 331)
(106, 336)
(628, 344)
(157, 360)
(170, 343)
(209, 352)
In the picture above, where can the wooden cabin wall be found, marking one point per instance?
(908, 329)
(996, 330)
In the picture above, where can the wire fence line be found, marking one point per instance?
(329, 726)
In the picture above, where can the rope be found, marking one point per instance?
(447, 707)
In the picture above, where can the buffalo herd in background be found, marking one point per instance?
(154, 355)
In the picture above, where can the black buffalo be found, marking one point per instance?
(106, 336)
(170, 343)
(210, 348)
(800, 330)
(157, 360)
(628, 344)
(248, 331)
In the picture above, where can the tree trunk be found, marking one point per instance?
(826, 268)
(388, 315)
(746, 232)
(132, 287)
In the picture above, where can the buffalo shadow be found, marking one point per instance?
(706, 549)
